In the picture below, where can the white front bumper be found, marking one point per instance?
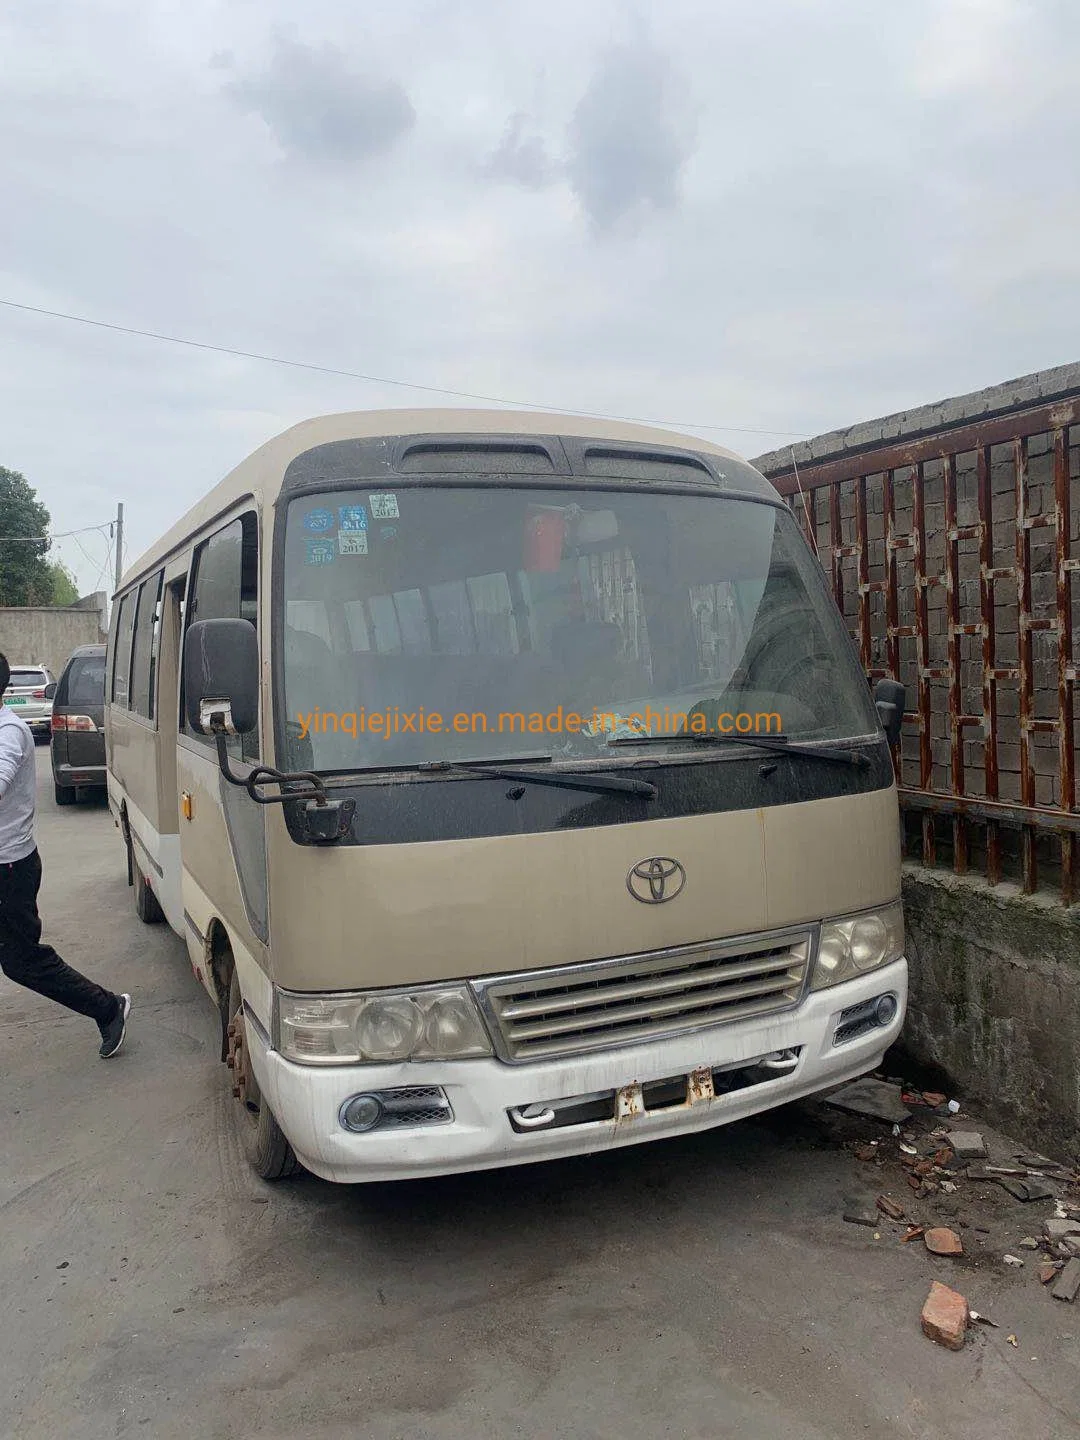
(306, 1099)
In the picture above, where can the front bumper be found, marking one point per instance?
(306, 1099)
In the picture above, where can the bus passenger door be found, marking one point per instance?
(166, 669)
(221, 828)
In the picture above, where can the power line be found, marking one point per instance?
(102, 573)
(60, 535)
(82, 550)
(382, 379)
(87, 556)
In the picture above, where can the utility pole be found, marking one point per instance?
(119, 544)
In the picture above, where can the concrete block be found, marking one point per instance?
(1056, 1230)
(967, 1144)
(1068, 1283)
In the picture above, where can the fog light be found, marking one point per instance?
(866, 1017)
(362, 1112)
(885, 1009)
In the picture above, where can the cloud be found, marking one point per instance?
(322, 108)
(629, 137)
(971, 44)
(522, 158)
(832, 230)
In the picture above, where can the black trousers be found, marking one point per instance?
(25, 960)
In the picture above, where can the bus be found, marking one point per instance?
(515, 787)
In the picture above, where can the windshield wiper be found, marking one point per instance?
(779, 744)
(565, 779)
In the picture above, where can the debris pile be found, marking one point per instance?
(951, 1169)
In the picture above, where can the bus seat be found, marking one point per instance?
(589, 655)
(314, 679)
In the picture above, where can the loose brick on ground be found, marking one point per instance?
(945, 1317)
(942, 1241)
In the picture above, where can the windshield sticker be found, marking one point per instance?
(352, 517)
(619, 727)
(384, 507)
(319, 520)
(387, 532)
(352, 542)
(320, 552)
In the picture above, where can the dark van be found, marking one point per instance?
(78, 725)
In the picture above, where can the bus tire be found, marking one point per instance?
(146, 902)
(268, 1151)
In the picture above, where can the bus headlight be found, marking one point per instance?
(858, 943)
(435, 1023)
(388, 1029)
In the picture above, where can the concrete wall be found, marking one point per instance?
(99, 600)
(46, 635)
(995, 1000)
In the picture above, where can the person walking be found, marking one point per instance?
(23, 958)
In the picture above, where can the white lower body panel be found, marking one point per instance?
(157, 856)
(306, 1099)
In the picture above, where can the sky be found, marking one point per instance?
(765, 217)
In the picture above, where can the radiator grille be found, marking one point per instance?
(615, 1002)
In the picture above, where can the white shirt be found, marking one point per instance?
(18, 787)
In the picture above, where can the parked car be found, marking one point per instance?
(26, 694)
(78, 725)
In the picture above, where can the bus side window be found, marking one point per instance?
(225, 587)
(147, 619)
(121, 656)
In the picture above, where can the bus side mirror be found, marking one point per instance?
(221, 677)
(889, 698)
(50, 690)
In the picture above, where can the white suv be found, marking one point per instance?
(30, 694)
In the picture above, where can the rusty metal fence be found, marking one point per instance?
(950, 557)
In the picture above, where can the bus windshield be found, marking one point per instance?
(443, 623)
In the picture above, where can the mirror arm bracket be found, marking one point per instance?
(325, 821)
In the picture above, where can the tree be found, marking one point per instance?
(26, 578)
(65, 591)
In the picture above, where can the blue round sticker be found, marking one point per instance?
(319, 520)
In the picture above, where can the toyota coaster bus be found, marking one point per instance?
(514, 785)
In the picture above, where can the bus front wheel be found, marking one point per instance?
(268, 1151)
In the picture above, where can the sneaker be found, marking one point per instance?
(112, 1034)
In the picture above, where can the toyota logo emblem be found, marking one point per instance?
(655, 880)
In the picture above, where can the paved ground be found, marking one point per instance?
(152, 1288)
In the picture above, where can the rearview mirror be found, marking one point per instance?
(221, 677)
(889, 696)
(50, 690)
(596, 526)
